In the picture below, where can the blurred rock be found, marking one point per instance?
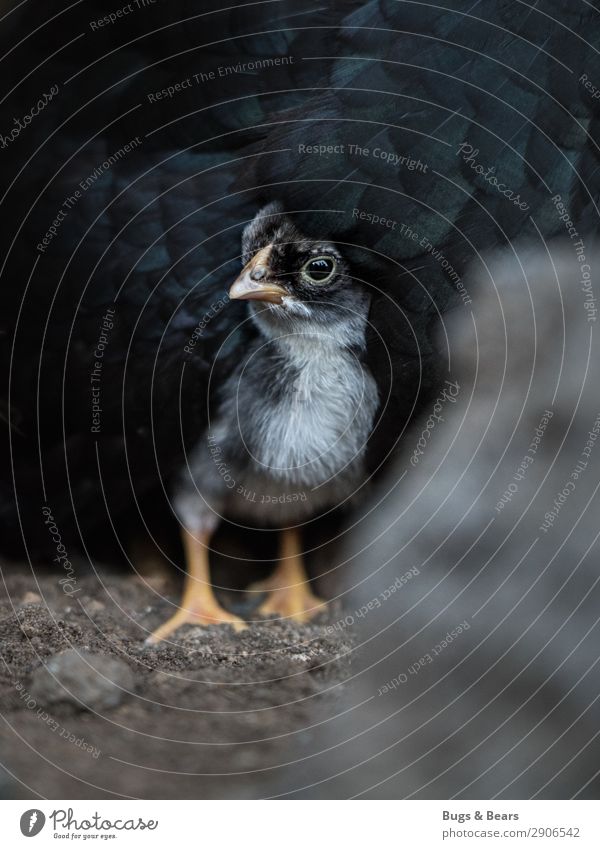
(88, 681)
(478, 675)
(9, 789)
(31, 598)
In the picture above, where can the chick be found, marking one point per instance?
(287, 440)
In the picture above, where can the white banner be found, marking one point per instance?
(298, 824)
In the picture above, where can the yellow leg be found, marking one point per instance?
(289, 587)
(198, 605)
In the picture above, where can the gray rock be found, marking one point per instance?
(89, 681)
(9, 789)
(478, 676)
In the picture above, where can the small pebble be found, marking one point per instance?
(31, 598)
(89, 681)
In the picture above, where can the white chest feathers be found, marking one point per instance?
(316, 421)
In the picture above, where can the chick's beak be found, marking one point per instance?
(256, 283)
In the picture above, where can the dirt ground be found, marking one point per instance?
(215, 716)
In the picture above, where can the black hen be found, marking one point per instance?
(123, 228)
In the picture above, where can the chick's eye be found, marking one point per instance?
(319, 269)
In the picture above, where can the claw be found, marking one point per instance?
(289, 589)
(199, 605)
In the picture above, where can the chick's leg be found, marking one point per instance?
(289, 587)
(198, 605)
